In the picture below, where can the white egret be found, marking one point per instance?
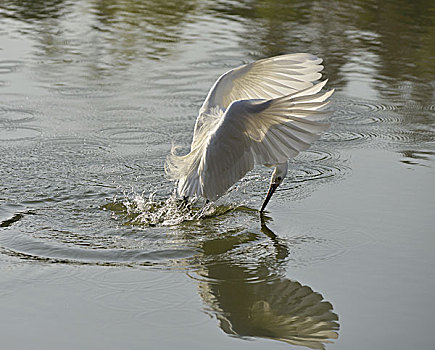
(264, 112)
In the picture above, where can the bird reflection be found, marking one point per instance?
(255, 300)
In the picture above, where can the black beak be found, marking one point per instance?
(272, 189)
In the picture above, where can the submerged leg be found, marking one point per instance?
(199, 214)
(184, 203)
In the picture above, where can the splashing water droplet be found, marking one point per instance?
(149, 211)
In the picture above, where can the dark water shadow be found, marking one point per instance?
(256, 299)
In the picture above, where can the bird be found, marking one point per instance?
(264, 112)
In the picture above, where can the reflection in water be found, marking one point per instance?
(136, 25)
(255, 300)
(33, 10)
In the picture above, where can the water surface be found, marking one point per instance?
(96, 252)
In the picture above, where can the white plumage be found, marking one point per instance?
(264, 112)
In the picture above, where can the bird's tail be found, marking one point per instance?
(174, 163)
(184, 170)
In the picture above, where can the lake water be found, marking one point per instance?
(95, 253)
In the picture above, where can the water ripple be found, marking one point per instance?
(19, 133)
(71, 143)
(358, 118)
(347, 136)
(9, 66)
(134, 136)
(123, 114)
(316, 172)
(37, 235)
(81, 92)
(45, 252)
(423, 158)
(16, 115)
(315, 155)
(143, 232)
(430, 107)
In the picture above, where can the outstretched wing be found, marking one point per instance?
(260, 131)
(264, 79)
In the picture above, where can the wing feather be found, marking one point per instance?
(264, 132)
(272, 77)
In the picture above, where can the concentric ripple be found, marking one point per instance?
(16, 115)
(19, 133)
(133, 136)
(351, 114)
(144, 231)
(347, 136)
(47, 243)
(315, 155)
(316, 172)
(133, 231)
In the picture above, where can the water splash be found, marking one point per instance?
(150, 211)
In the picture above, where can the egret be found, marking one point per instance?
(264, 112)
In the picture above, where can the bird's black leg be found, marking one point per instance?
(185, 203)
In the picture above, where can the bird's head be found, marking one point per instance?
(278, 175)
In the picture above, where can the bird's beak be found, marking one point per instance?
(272, 189)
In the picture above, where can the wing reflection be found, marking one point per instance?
(254, 300)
